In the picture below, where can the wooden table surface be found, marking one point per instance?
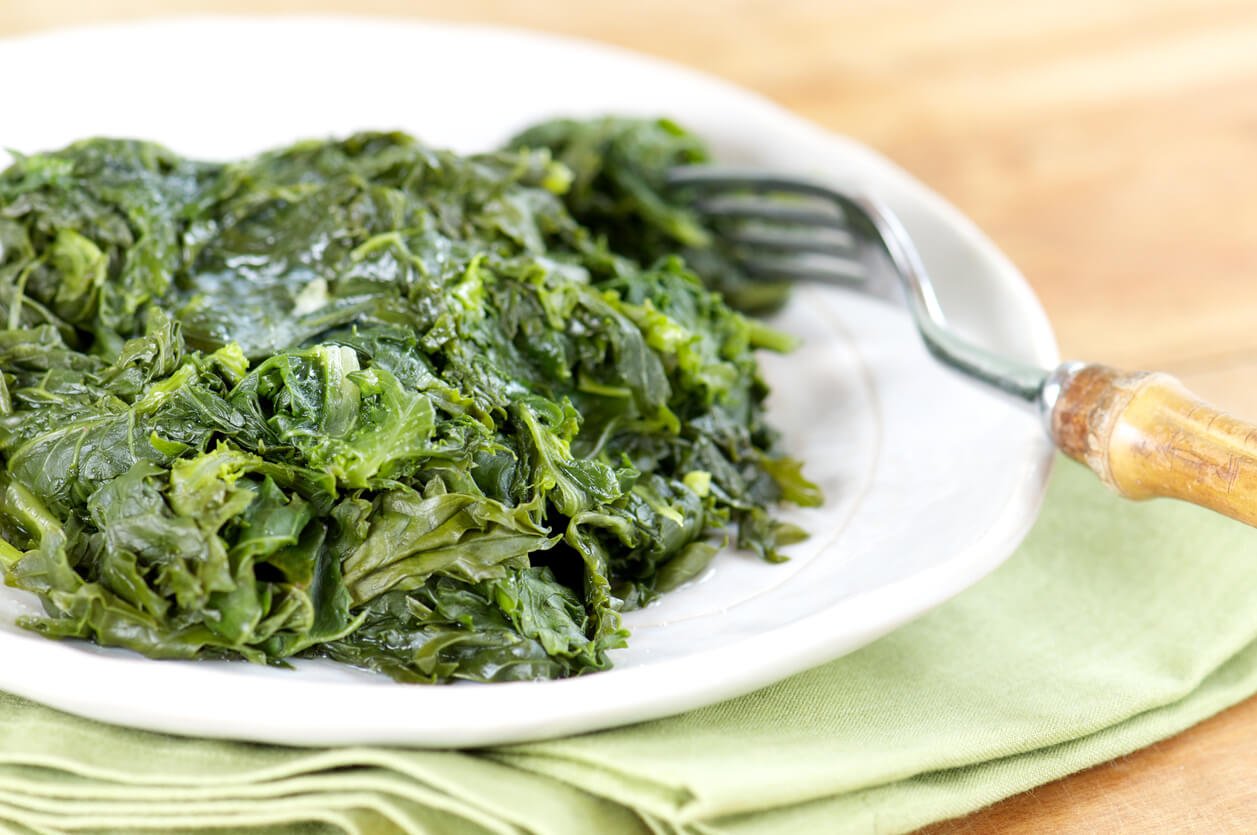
(1108, 146)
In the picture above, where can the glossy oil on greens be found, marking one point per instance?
(442, 417)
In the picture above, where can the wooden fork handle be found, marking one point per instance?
(1146, 435)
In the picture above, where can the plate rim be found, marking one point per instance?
(882, 608)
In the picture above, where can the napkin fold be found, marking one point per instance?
(1115, 624)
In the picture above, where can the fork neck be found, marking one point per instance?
(1025, 383)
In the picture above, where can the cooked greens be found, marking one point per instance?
(439, 416)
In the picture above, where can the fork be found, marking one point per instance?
(1141, 432)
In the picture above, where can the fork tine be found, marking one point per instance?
(732, 179)
(833, 271)
(767, 212)
(838, 243)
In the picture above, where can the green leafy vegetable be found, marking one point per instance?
(617, 170)
(442, 417)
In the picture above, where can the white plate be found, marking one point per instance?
(931, 481)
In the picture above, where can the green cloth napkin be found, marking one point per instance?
(1116, 624)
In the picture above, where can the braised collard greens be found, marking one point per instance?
(438, 416)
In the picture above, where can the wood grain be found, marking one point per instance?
(1108, 146)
